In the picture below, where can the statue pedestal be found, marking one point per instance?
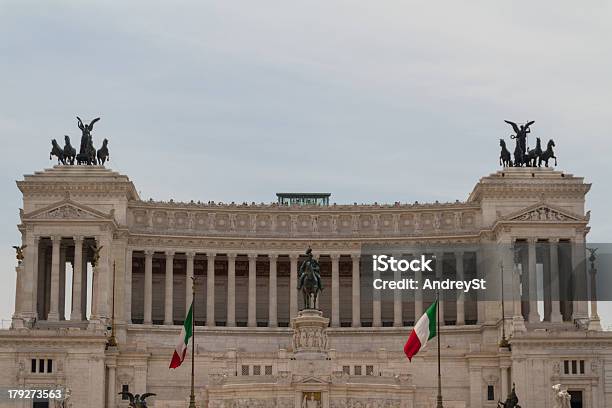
(310, 335)
(518, 324)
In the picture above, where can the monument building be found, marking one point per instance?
(97, 260)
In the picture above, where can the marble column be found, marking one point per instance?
(293, 294)
(189, 280)
(148, 287)
(252, 312)
(440, 275)
(77, 278)
(580, 304)
(169, 289)
(504, 383)
(460, 294)
(272, 299)
(85, 300)
(31, 268)
(55, 279)
(376, 303)
(534, 316)
(356, 289)
(480, 273)
(397, 298)
(112, 381)
(418, 294)
(103, 278)
(62, 282)
(335, 294)
(555, 313)
(210, 289)
(518, 322)
(231, 290)
(127, 293)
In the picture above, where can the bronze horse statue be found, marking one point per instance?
(548, 154)
(310, 280)
(69, 151)
(504, 155)
(103, 153)
(533, 155)
(57, 151)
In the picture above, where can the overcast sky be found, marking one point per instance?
(371, 101)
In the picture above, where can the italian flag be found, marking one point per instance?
(181, 348)
(424, 330)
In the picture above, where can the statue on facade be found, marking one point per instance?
(523, 155)
(87, 152)
(511, 401)
(19, 255)
(309, 280)
(521, 133)
(561, 398)
(137, 401)
(96, 255)
(310, 403)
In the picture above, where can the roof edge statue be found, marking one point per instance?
(87, 152)
(523, 156)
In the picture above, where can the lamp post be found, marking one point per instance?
(112, 342)
(503, 342)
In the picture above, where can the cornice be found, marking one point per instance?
(182, 243)
(527, 182)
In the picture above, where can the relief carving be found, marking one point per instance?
(365, 403)
(309, 337)
(542, 214)
(65, 212)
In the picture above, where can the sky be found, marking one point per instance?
(371, 101)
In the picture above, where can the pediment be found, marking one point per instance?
(544, 213)
(67, 210)
(312, 380)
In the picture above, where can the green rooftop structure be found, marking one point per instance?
(303, 198)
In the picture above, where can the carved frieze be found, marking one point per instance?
(365, 403)
(249, 403)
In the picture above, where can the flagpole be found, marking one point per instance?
(192, 395)
(439, 399)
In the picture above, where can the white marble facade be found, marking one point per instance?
(245, 258)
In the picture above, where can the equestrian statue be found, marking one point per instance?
(309, 281)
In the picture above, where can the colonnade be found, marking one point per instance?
(229, 260)
(46, 260)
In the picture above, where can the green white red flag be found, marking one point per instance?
(424, 330)
(181, 347)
